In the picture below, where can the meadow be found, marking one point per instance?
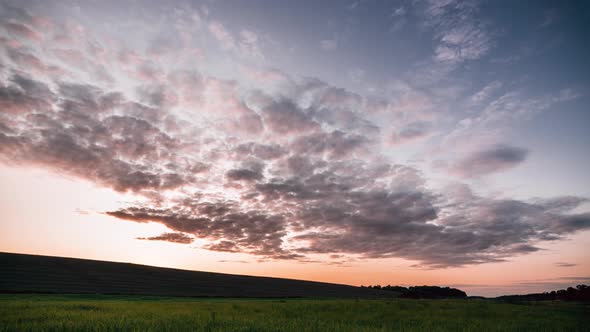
(28, 312)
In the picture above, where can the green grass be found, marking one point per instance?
(136, 313)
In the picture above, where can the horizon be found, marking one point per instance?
(267, 276)
(353, 142)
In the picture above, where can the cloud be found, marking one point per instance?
(246, 43)
(340, 209)
(496, 116)
(76, 136)
(318, 198)
(485, 93)
(564, 264)
(493, 159)
(458, 33)
(243, 174)
(21, 30)
(462, 43)
(24, 95)
(233, 261)
(336, 144)
(412, 132)
(400, 11)
(157, 95)
(283, 172)
(285, 117)
(27, 59)
(227, 228)
(170, 237)
(224, 37)
(261, 151)
(249, 44)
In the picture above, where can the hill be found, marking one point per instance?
(20, 273)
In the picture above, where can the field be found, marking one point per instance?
(44, 274)
(27, 312)
(38, 293)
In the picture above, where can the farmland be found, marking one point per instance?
(21, 273)
(41, 293)
(29, 312)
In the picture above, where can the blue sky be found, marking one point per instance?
(439, 135)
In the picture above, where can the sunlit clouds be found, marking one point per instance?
(200, 124)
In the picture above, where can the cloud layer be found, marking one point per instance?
(288, 172)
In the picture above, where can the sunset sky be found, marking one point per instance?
(361, 142)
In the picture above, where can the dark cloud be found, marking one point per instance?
(285, 117)
(562, 204)
(248, 171)
(341, 210)
(170, 237)
(316, 189)
(88, 98)
(493, 159)
(335, 144)
(224, 223)
(564, 264)
(157, 96)
(223, 246)
(243, 174)
(25, 95)
(76, 137)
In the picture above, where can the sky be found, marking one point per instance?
(435, 142)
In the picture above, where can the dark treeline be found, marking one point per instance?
(423, 292)
(579, 293)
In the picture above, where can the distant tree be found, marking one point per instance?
(399, 289)
(433, 292)
(424, 292)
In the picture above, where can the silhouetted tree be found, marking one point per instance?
(424, 292)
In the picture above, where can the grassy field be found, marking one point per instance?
(135, 313)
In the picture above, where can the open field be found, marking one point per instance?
(133, 313)
(222, 302)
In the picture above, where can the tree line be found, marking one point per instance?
(423, 292)
(579, 293)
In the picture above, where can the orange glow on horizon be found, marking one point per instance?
(29, 226)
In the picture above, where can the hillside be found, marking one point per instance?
(20, 273)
